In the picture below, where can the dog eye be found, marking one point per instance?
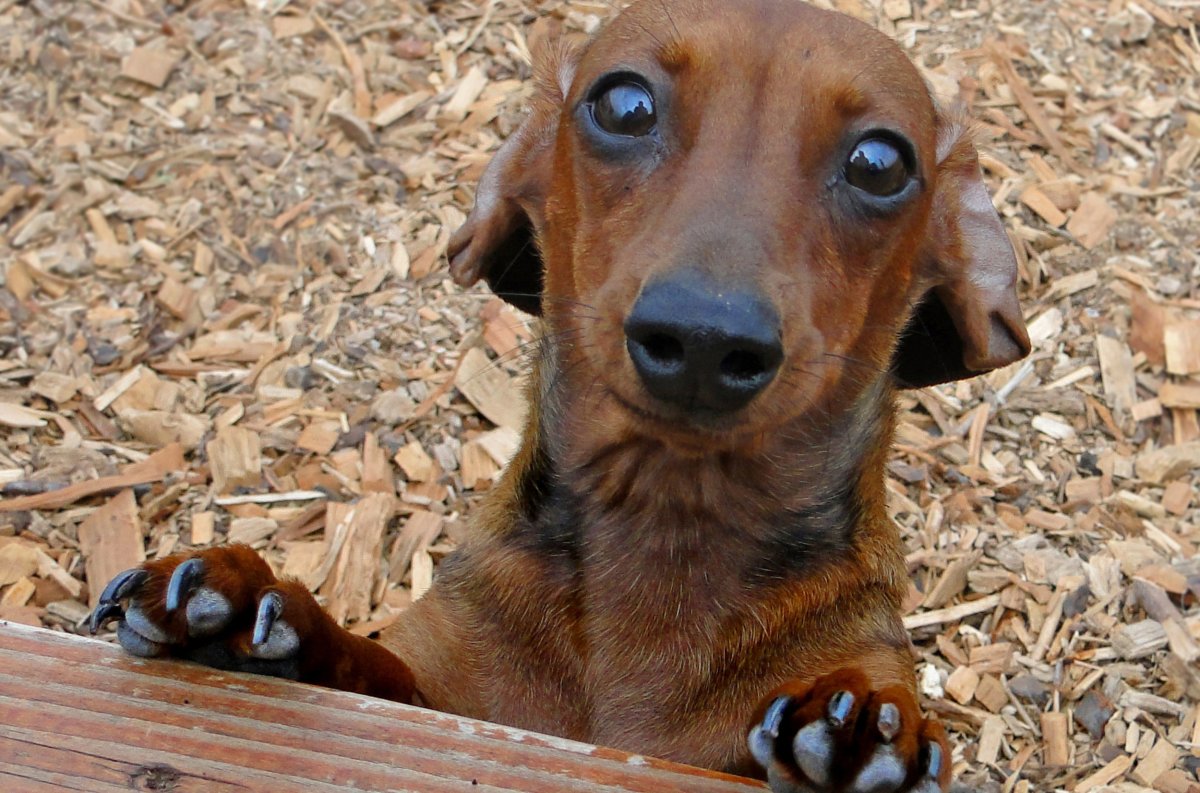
(625, 109)
(877, 166)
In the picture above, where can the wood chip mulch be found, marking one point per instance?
(224, 316)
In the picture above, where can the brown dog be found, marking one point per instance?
(745, 224)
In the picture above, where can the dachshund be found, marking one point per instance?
(744, 227)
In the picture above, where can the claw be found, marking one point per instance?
(934, 760)
(889, 721)
(773, 718)
(105, 611)
(123, 585)
(840, 705)
(186, 578)
(269, 609)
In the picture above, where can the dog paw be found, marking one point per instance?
(840, 736)
(222, 607)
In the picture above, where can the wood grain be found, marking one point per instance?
(78, 714)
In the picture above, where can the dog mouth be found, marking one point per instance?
(692, 425)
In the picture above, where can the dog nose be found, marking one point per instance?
(698, 346)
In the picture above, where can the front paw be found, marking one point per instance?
(840, 736)
(222, 607)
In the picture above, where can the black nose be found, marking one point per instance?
(698, 346)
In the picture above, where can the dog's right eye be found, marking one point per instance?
(624, 109)
(878, 167)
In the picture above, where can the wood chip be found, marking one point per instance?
(355, 544)
(478, 467)
(416, 464)
(490, 390)
(55, 387)
(1180, 395)
(17, 560)
(1181, 342)
(1032, 108)
(1092, 222)
(20, 417)
(287, 26)
(961, 684)
(996, 658)
(1116, 369)
(1177, 497)
(952, 613)
(320, 436)
(235, 459)
(119, 387)
(466, 93)
(161, 427)
(990, 693)
(155, 468)
(1036, 200)
(1168, 463)
(111, 538)
(1055, 741)
(1147, 327)
(1073, 284)
(203, 524)
(1114, 770)
(400, 108)
(1139, 640)
(1161, 758)
(419, 531)
(376, 470)
(990, 737)
(149, 66)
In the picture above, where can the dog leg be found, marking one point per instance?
(223, 607)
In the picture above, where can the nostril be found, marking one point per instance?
(700, 347)
(743, 365)
(664, 349)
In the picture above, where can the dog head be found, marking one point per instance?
(756, 203)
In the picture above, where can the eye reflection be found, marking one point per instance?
(876, 166)
(625, 109)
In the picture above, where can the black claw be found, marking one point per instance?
(104, 612)
(933, 759)
(123, 585)
(773, 718)
(840, 705)
(183, 581)
(889, 721)
(269, 609)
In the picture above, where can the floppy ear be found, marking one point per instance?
(969, 321)
(498, 240)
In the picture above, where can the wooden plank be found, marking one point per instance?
(79, 714)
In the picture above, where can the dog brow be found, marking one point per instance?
(850, 101)
(675, 57)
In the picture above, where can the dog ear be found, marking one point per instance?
(498, 241)
(969, 321)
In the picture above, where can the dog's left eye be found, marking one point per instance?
(877, 166)
(625, 109)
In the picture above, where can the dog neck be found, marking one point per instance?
(775, 507)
